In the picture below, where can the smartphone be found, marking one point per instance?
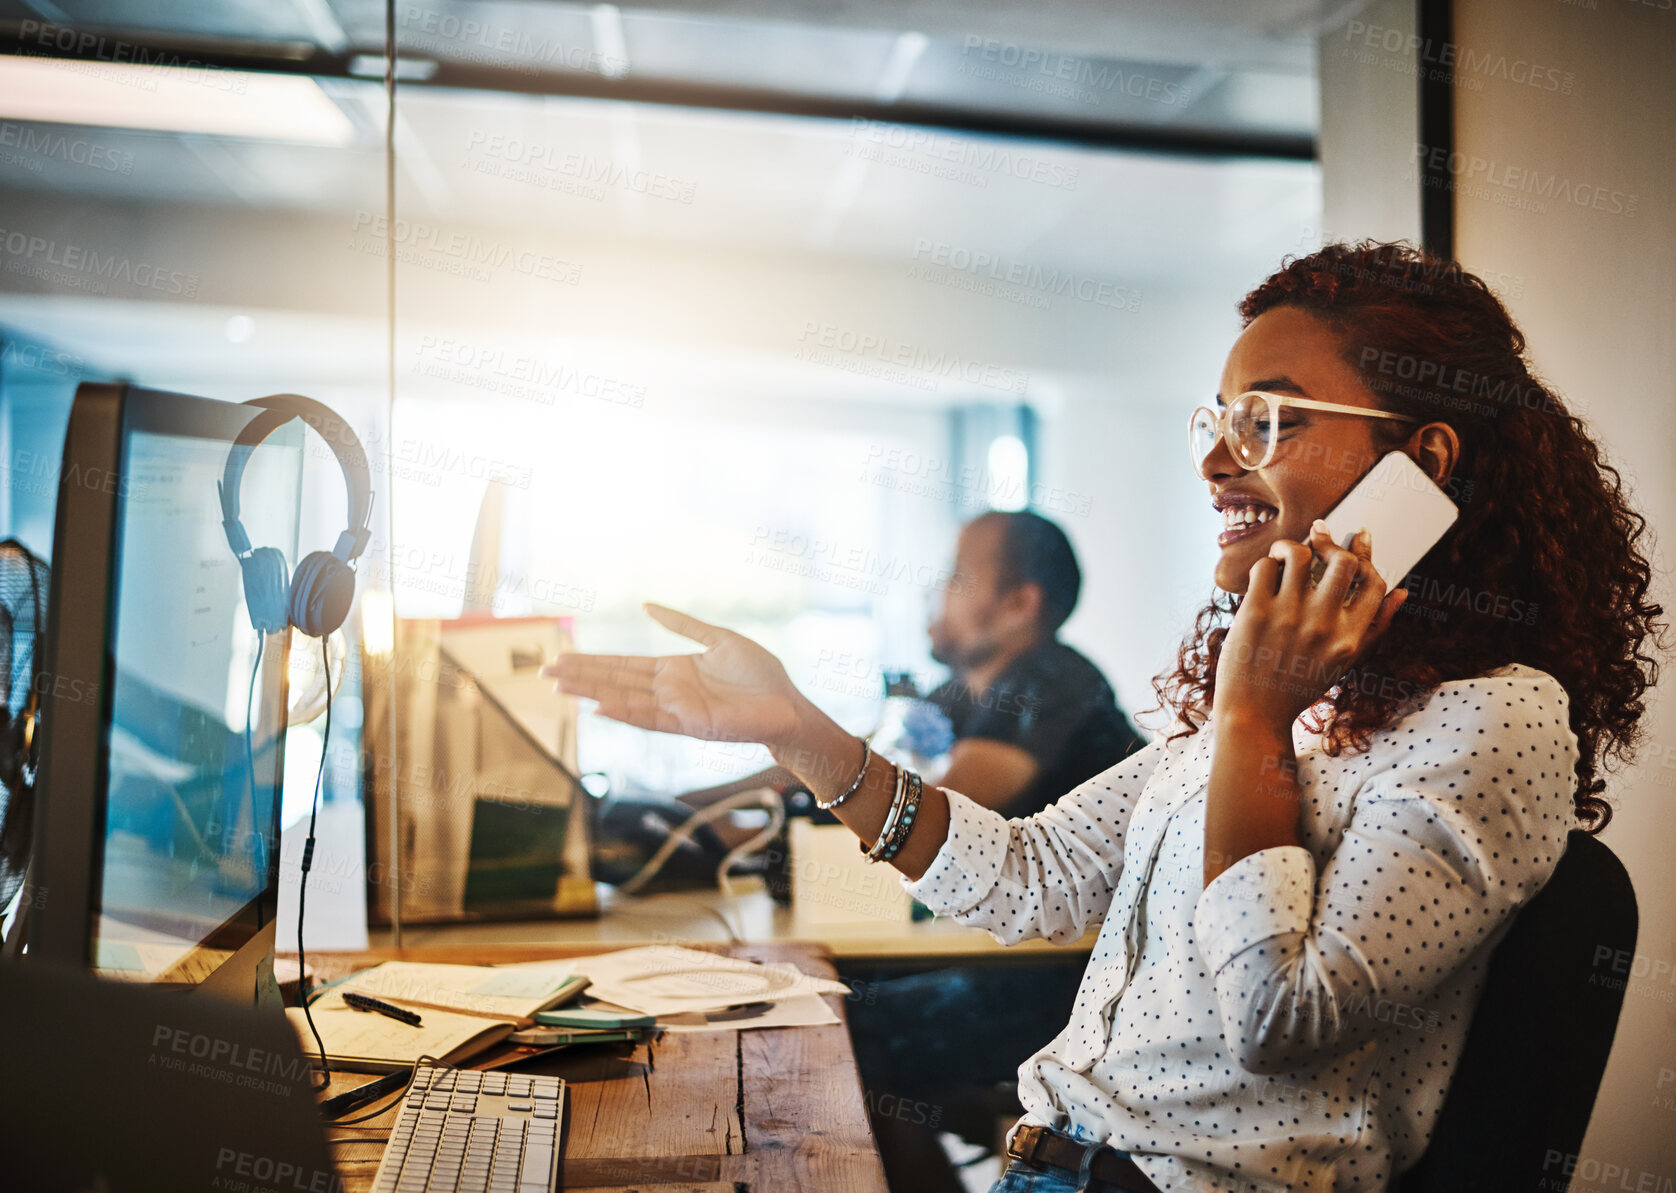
(591, 1017)
(1402, 508)
(556, 1037)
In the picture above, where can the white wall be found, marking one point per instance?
(1592, 290)
(1580, 93)
(1369, 115)
(1147, 541)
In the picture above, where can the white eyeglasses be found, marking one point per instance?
(1250, 425)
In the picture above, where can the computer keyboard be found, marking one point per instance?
(466, 1131)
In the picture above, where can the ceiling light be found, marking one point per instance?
(607, 22)
(226, 103)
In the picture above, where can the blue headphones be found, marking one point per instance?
(317, 598)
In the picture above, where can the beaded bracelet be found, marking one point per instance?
(866, 757)
(906, 824)
(872, 853)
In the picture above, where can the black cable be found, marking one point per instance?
(302, 881)
(411, 1077)
(258, 872)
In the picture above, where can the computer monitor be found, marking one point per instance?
(156, 837)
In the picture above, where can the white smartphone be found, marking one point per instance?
(1404, 511)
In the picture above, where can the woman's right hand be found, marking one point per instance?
(733, 690)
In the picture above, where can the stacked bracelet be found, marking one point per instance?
(866, 757)
(872, 852)
(900, 819)
(905, 824)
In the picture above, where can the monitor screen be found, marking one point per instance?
(194, 749)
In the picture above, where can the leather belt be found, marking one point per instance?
(1042, 1148)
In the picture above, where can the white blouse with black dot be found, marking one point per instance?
(1293, 1025)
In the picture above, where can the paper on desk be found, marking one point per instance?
(497, 991)
(666, 979)
(368, 1042)
(803, 1010)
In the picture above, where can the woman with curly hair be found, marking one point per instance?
(1302, 881)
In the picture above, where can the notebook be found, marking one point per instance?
(463, 1009)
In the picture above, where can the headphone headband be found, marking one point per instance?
(279, 409)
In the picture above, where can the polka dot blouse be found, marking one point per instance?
(1293, 1025)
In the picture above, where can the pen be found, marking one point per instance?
(515, 1020)
(362, 1002)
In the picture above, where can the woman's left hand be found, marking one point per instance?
(1291, 640)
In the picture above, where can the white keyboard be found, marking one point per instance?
(465, 1131)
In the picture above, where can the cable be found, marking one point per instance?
(259, 872)
(699, 819)
(302, 882)
(776, 821)
(714, 913)
(350, 1122)
(732, 936)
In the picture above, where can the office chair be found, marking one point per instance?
(1532, 1062)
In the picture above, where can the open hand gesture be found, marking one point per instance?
(733, 690)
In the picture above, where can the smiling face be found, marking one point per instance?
(1318, 456)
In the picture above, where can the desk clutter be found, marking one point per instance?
(385, 1018)
(196, 1092)
(449, 1012)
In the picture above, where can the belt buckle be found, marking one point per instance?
(1028, 1156)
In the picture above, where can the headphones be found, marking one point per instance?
(317, 598)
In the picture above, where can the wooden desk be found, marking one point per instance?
(770, 1110)
(695, 917)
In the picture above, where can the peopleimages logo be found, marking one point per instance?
(1064, 75)
(88, 269)
(1037, 281)
(960, 159)
(1470, 174)
(875, 354)
(272, 1174)
(486, 366)
(535, 162)
(501, 45)
(425, 245)
(86, 45)
(41, 359)
(1445, 60)
(76, 150)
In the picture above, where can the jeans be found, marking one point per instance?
(1021, 1178)
(914, 1039)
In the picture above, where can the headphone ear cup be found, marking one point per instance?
(321, 593)
(267, 589)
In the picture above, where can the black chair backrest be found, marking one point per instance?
(1521, 1097)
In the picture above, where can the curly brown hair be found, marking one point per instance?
(1545, 565)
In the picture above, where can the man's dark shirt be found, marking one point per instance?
(1054, 704)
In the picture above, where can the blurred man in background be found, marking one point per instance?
(1032, 718)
